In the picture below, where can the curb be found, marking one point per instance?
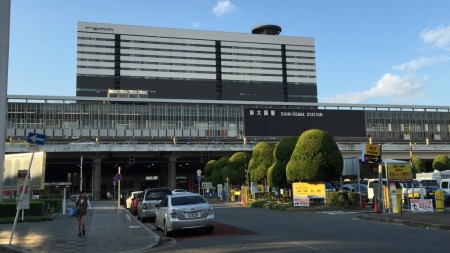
(404, 222)
(155, 239)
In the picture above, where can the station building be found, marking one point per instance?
(153, 62)
(162, 102)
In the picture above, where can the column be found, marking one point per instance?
(172, 172)
(97, 179)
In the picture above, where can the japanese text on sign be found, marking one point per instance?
(399, 172)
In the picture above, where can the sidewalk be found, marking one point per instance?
(109, 230)
(431, 220)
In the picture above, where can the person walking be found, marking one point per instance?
(83, 205)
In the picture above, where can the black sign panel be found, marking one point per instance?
(293, 122)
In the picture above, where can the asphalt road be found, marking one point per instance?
(258, 230)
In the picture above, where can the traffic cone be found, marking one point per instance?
(375, 205)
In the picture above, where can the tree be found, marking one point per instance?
(209, 169)
(261, 161)
(418, 165)
(316, 157)
(276, 175)
(441, 162)
(217, 175)
(235, 169)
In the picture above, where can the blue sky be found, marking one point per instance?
(371, 52)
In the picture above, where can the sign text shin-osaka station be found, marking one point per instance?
(292, 122)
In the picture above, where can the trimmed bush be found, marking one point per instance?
(343, 199)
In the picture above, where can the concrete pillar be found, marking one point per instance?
(97, 179)
(5, 8)
(172, 171)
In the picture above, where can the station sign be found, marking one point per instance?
(293, 122)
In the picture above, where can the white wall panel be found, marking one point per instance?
(174, 54)
(303, 67)
(58, 132)
(95, 64)
(253, 45)
(168, 67)
(251, 52)
(169, 40)
(95, 35)
(251, 58)
(96, 50)
(252, 78)
(167, 74)
(252, 71)
(211, 62)
(107, 72)
(96, 42)
(96, 56)
(294, 60)
(301, 80)
(167, 47)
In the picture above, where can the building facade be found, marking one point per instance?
(150, 62)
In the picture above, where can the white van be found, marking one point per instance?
(445, 185)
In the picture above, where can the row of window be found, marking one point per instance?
(188, 65)
(194, 45)
(190, 71)
(194, 51)
(189, 58)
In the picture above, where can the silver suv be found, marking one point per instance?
(149, 198)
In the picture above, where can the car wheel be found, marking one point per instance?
(209, 230)
(167, 233)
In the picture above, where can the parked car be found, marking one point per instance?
(184, 211)
(176, 191)
(355, 187)
(149, 198)
(329, 188)
(131, 195)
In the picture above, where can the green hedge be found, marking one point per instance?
(40, 207)
(269, 204)
(343, 199)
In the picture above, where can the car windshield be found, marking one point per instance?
(408, 184)
(188, 200)
(157, 195)
(429, 183)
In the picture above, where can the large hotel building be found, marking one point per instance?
(164, 63)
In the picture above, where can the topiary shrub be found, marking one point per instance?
(258, 203)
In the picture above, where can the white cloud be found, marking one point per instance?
(222, 7)
(197, 25)
(390, 87)
(438, 37)
(420, 62)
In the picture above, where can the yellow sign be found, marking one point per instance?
(399, 171)
(372, 149)
(309, 189)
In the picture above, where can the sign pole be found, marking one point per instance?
(118, 191)
(21, 196)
